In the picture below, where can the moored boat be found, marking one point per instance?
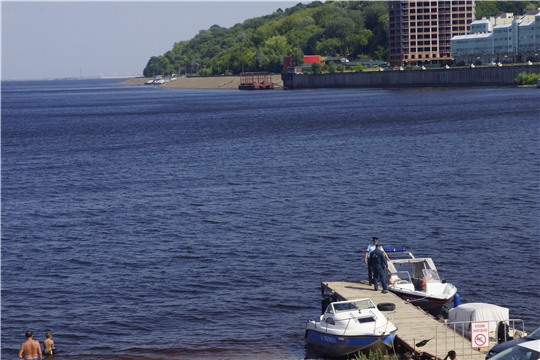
(417, 281)
(500, 326)
(347, 327)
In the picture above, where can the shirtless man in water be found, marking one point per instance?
(30, 348)
(48, 344)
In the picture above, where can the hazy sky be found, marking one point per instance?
(45, 39)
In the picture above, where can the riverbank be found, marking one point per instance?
(199, 82)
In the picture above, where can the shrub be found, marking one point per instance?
(205, 72)
(526, 78)
(357, 68)
(331, 68)
(374, 355)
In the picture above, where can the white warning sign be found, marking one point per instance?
(480, 334)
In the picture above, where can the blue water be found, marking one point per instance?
(148, 223)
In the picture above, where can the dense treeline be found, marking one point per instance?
(352, 29)
(496, 8)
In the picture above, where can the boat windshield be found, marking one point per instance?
(400, 277)
(351, 305)
(431, 275)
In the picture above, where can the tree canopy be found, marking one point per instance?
(349, 29)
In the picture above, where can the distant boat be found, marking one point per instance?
(149, 82)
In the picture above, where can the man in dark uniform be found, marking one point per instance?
(378, 263)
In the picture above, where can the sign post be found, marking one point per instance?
(480, 334)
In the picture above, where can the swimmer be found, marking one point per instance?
(48, 344)
(30, 349)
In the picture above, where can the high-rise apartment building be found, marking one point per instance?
(420, 31)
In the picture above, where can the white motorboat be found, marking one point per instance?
(347, 327)
(500, 327)
(417, 281)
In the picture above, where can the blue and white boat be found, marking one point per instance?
(347, 327)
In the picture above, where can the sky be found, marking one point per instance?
(46, 39)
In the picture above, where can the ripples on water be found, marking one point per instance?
(148, 223)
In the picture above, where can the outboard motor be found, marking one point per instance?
(502, 332)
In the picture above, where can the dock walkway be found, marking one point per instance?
(414, 324)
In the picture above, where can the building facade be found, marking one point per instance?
(420, 31)
(505, 39)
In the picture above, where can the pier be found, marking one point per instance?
(440, 77)
(255, 81)
(414, 324)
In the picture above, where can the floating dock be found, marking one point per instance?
(255, 81)
(414, 324)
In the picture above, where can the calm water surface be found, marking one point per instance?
(149, 223)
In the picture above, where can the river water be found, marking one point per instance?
(148, 223)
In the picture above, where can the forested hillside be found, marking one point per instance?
(352, 29)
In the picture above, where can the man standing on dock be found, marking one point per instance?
(369, 249)
(378, 263)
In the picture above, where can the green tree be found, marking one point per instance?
(485, 9)
(316, 68)
(329, 47)
(339, 28)
(297, 57)
(310, 44)
(381, 53)
(331, 67)
(526, 79)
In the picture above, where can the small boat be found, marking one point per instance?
(347, 327)
(500, 326)
(417, 281)
(149, 82)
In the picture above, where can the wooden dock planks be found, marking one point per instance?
(414, 324)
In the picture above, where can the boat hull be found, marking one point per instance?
(334, 345)
(434, 306)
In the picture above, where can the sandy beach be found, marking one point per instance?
(214, 82)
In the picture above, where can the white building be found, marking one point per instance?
(506, 38)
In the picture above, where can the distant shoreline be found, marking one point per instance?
(199, 82)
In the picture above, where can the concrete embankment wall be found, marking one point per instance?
(478, 76)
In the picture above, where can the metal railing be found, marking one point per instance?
(454, 340)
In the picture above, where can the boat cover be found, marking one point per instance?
(479, 312)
